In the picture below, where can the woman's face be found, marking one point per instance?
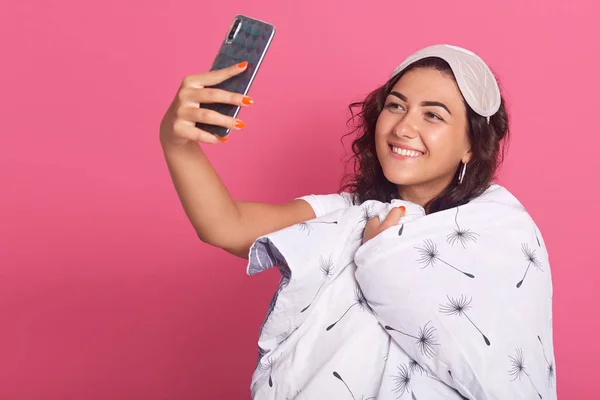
(421, 133)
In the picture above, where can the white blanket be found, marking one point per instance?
(456, 304)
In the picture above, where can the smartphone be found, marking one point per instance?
(248, 39)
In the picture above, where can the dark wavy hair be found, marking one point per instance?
(367, 181)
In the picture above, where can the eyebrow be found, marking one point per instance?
(423, 103)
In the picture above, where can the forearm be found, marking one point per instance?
(218, 219)
(205, 199)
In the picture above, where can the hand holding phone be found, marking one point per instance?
(178, 126)
(206, 106)
(247, 40)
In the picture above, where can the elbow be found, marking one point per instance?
(202, 238)
(211, 240)
(229, 245)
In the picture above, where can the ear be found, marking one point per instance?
(467, 156)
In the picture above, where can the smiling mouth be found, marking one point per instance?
(406, 152)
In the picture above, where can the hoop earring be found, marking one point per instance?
(461, 176)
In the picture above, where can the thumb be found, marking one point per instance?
(393, 217)
(372, 223)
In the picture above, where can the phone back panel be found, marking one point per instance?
(250, 44)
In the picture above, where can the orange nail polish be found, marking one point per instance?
(247, 100)
(239, 124)
(243, 64)
(402, 208)
(223, 139)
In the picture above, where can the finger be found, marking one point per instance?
(371, 225)
(372, 222)
(214, 77)
(196, 96)
(393, 217)
(211, 117)
(190, 132)
(370, 229)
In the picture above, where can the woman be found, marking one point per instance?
(428, 145)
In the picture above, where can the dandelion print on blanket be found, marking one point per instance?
(425, 339)
(518, 369)
(459, 306)
(359, 300)
(531, 260)
(430, 255)
(461, 235)
(326, 268)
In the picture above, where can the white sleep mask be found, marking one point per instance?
(475, 80)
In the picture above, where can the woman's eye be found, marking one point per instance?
(434, 116)
(394, 107)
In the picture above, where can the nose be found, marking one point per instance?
(407, 126)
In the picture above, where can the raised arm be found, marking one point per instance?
(218, 219)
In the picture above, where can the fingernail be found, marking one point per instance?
(402, 208)
(247, 101)
(223, 139)
(243, 64)
(239, 124)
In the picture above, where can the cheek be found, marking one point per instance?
(380, 133)
(380, 126)
(434, 143)
(443, 144)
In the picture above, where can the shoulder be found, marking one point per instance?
(498, 200)
(324, 204)
(499, 195)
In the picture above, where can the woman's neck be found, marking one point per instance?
(419, 194)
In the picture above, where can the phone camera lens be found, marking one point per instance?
(233, 30)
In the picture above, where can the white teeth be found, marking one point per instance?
(405, 152)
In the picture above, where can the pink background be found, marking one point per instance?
(105, 291)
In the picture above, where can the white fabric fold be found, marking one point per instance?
(456, 304)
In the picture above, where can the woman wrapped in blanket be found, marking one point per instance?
(421, 279)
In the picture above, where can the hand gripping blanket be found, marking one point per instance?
(451, 305)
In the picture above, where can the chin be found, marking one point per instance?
(402, 178)
(401, 172)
